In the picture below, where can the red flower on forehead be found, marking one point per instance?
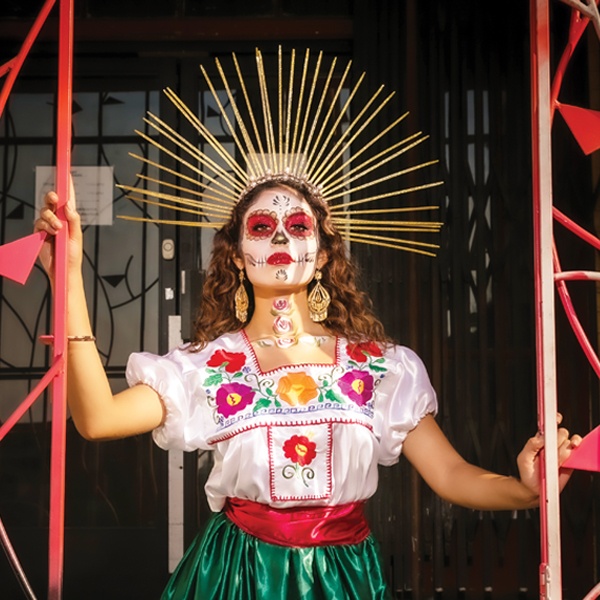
(232, 361)
(361, 352)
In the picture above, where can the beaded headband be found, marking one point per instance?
(302, 135)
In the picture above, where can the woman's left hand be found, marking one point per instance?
(528, 460)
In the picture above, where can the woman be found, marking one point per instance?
(299, 399)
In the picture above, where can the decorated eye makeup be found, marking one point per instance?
(299, 224)
(261, 225)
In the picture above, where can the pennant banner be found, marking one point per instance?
(17, 258)
(584, 125)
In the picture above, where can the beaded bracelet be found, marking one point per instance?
(81, 338)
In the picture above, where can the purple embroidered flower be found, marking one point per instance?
(233, 397)
(358, 386)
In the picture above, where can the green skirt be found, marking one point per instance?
(226, 563)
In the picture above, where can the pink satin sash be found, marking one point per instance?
(300, 527)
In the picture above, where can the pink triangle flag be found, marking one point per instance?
(584, 125)
(17, 258)
(587, 456)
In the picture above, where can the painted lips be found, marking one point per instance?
(280, 258)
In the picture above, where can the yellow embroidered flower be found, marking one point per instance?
(297, 388)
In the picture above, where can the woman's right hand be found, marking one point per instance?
(51, 224)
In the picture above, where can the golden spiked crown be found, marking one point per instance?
(302, 132)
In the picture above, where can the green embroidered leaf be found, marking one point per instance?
(379, 360)
(269, 391)
(332, 396)
(353, 363)
(238, 375)
(215, 379)
(264, 403)
(277, 403)
(378, 369)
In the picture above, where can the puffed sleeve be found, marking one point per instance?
(404, 397)
(173, 377)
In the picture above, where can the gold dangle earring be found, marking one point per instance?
(318, 300)
(241, 300)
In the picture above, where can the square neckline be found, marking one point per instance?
(259, 369)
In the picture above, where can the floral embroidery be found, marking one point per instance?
(297, 388)
(301, 451)
(237, 391)
(233, 397)
(362, 351)
(230, 361)
(357, 385)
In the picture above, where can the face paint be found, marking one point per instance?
(279, 242)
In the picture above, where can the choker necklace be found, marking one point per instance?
(293, 340)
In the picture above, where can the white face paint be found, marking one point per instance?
(279, 240)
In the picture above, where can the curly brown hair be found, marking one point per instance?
(350, 313)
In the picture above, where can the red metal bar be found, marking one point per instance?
(14, 66)
(550, 567)
(31, 398)
(59, 388)
(574, 321)
(579, 231)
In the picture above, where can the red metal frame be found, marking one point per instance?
(56, 376)
(549, 276)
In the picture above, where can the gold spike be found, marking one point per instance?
(266, 106)
(198, 206)
(375, 211)
(280, 104)
(180, 160)
(327, 163)
(364, 147)
(173, 207)
(359, 171)
(383, 238)
(340, 87)
(226, 199)
(299, 108)
(219, 207)
(300, 152)
(193, 151)
(206, 134)
(205, 224)
(333, 129)
(290, 99)
(398, 246)
(385, 178)
(315, 119)
(415, 188)
(359, 222)
(231, 128)
(250, 151)
(261, 151)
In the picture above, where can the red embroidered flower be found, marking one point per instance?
(358, 386)
(300, 449)
(361, 352)
(233, 397)
(232, 361)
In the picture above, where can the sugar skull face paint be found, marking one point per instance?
(279, 240)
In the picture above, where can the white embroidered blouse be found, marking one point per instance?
(309, 434)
